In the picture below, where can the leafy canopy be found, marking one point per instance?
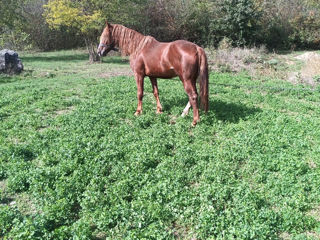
(71, 14)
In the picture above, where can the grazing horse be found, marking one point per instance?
(154, 59)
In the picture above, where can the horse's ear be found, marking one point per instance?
(108, 26)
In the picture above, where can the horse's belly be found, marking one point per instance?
(163, 75)
(161, 72)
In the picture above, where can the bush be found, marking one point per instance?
(228, 59)
(20, 32)
(289, 24)
(239, 21)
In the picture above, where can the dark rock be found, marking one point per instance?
(10, 63)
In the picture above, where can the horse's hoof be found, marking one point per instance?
(183, 114)
(194, 122)
(137, 113)
(159, 112)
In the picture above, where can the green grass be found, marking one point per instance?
(75, 163)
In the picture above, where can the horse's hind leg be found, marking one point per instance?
(139, 80)
(186, 110)
(191, 90)
(156, 93)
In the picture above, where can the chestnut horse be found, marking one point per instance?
(154, 59)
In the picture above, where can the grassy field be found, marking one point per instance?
(75, 163)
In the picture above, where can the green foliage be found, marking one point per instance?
(289, 24)
(88, 17)
(43, 37)
(16, 39)
(187, 19)
(9, 13)
(73, 15)
(278, 24)
(197, 23)
(8, 217)
(249, 170)
(239, 21)
(84, 16)
(17, 31)
(305, 29)
(10, 25)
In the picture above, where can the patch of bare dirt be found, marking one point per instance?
(307, 56)
(117, 72)
(64, 111)
(3, 185)
(315, 213)
(310, 71)
(182, 232)
(285, 236)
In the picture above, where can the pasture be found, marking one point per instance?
(75, 163)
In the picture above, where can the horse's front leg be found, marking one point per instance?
(139, 80)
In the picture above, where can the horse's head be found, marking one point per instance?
(106, 43)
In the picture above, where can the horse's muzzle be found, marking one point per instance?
(103, 49)
(100, 53)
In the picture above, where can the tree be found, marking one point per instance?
(169, 20)
(9, 12)
(10, 24)
(83, 16)
(88, 17)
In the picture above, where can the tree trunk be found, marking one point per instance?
(92, 50)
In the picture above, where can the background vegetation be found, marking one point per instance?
(278, 24)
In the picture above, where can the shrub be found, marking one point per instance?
(239, 21)
(227, 59)
(289, 24)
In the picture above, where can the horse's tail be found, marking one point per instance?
(204, 79)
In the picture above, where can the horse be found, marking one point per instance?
(154, 59)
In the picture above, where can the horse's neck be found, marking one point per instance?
(129, 41)
(144, 43)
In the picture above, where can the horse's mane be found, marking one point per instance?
(129, 41)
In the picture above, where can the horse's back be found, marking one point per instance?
(167, 60)
(153, 58)
(185, 45)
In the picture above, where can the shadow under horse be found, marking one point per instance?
(149, 57)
